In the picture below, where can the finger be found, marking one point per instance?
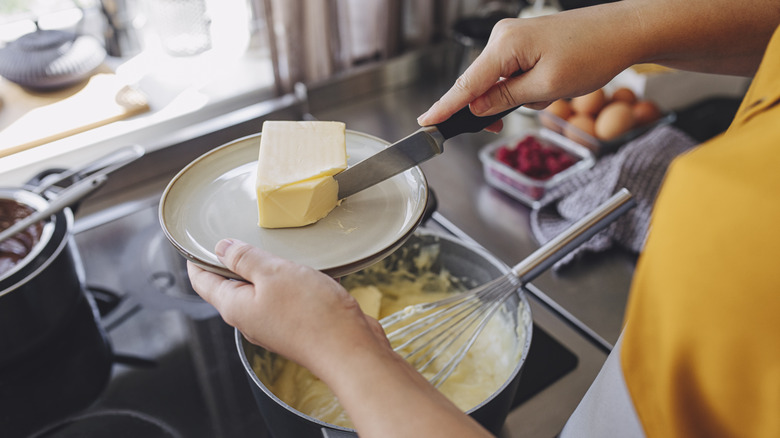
(531, 89)
(478, 78)
(538, 105)
(203, 282)
(213, 287)
(496, 127)
(230, 297)
(249, 262)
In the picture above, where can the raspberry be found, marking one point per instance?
(536, 159)
(506, 156)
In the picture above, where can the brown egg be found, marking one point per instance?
(615, 119)
(645, 112)
(624, 94)
(560, 109)
(580, 124)
(590, 103)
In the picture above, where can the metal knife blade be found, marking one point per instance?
(402, 155)
(408, 152)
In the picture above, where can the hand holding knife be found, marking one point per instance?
(410, 151)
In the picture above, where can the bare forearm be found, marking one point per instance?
(714, 36)
(385, 397)
(575, 52)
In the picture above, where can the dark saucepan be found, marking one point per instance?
(41, 288)
(38, 293)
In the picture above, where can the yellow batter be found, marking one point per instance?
(488, 364)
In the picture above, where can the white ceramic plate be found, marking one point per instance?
(214, 197)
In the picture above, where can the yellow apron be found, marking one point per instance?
(701, 345)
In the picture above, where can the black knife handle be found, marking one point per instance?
(464, 121)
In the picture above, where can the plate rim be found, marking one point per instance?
(335, 271)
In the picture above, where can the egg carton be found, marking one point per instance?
(598, 147)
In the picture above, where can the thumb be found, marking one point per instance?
(241, 257)
(478, 78)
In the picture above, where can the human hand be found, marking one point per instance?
(310, 318)
(289, 309)
(536, 61)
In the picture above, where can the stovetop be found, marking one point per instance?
(176, 372)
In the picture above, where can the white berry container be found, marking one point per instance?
(525, 188)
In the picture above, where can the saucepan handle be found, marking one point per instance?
(64, 199)
(101, 166)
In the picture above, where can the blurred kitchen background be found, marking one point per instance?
(168, 58)
(147, 62)
(183, 57)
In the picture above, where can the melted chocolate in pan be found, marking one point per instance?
(15, 248)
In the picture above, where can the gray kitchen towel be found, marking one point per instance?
(639, 166)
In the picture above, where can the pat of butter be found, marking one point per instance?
(369, 299)
(295, 168)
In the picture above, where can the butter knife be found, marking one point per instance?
(423, 144)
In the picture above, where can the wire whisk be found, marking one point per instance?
(435, 337)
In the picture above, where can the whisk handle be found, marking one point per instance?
(578, 233)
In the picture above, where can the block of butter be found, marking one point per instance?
(295, 168)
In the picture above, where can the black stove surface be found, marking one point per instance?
(176, 372)
(39, 388)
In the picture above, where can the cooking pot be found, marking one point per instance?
(41, 291)
(38, 294)
(469, 263)
(56, 357)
